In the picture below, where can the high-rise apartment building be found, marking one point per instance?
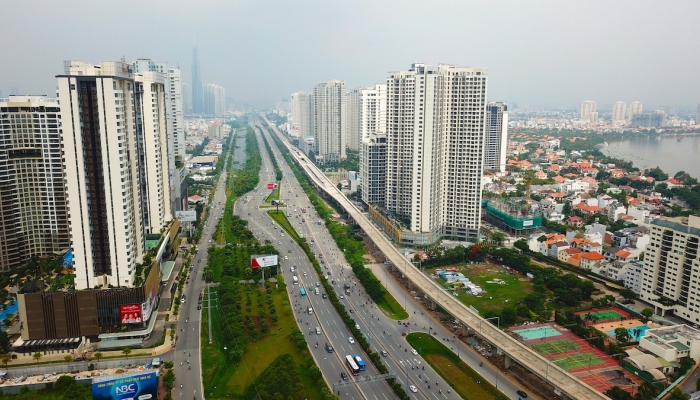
(373, 110)
(214, 99)
(588, 111)
(115, 137)
(33, 209)
(302, 113)
(496, 140)
(697, 116)
(634, 108)
(671, 267)
(373, 160)
(329, 125)
(175, 127)
(353, 119)
(197, 95)
(435, 141)
(619, 114)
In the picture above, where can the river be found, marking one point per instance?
(666, 152)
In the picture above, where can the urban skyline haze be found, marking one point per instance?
(537, 53)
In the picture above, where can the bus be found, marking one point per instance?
(296, 280)
(350, 362)
(360, 363)
(302, 292)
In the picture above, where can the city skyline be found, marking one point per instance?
(529, 55)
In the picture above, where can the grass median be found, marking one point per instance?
(455, 372)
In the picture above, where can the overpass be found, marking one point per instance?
(566, 383)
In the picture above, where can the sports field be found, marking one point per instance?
(577, 361)
(555, 346)
(608, 314)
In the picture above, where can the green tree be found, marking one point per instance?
(498, 238)
(68, 358)
(522, 245)
(628, 294)
(676, 394)
(64, 382)
(97, 355)
(647, 313)
(4, 342)
(622, 335)
(126, 352)
(6, 358)
(169, 380)
(37, 356)
(617, 393)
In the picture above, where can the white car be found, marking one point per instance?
(357, 326)
(414, 352)
(413, 389)
(351, 340)
(286, 258)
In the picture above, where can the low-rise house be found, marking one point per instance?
(585, 209)
(556, 247)
(574, 221)
(672, 342)
(566, 254)
(591, 259)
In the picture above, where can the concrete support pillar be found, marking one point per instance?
(507, 361)
(565, 397)
(433, 305)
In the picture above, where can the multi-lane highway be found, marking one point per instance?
(384, 334)
(563, 381)
(187, 356)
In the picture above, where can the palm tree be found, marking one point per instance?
(97, 355)
(37, 356)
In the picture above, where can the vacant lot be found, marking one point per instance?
(497, 295)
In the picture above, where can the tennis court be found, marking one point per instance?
(598, 316)
(580, 360)
(555, 346)
(539, 332)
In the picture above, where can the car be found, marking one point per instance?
(384, 353)
(311, 310)
(333, 281)
(280, 243)
(325, 296)
(318, 330)
(403, 333)
(329, 348)
(318, 284)
(521, 394)
(209, 240)
(352, 311)
(286, 257)
(413, 389)
(281, 234)
(344, 375)
(305, 273)
(199, 307)
(357, 326)
(351, 340)
(414, 352)
(341, 296)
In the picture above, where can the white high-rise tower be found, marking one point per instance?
(353, 119)
(115, 137)
(634, 108)
(329, 125)
(588, 111)
(435, 141)
(619, 113)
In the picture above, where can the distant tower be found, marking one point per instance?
(197, 97)
(635, 108)
(329, 126)
(697, 117)
(588, 111)
(619, 112)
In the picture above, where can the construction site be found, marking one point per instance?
(512, 215)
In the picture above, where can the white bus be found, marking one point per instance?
(350, 362)
(296, 280)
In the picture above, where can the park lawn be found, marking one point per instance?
(496, 296)
(462, 379)
(391, 307)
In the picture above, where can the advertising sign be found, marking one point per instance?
(186, 216)
(527, 222)
(130, 313)
(271, 185)
(263, 261)
(141, 387)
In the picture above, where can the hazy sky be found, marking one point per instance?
(537, 52)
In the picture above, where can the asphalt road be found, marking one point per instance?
(383, 333)
(187, 357)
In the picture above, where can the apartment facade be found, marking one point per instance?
(302, 113)
(671, 267)
(117, 182)
(496, 140)
(588, 111)
(373, 112)
(634, 108)
(435, 140)
(33, 206)
(373, 160)
(353, 119)
(214, 99)
(329, 101)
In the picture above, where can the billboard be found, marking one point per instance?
(271, 186)
(141, 387)
(186, 216)
(263, 261)
(130, 313)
